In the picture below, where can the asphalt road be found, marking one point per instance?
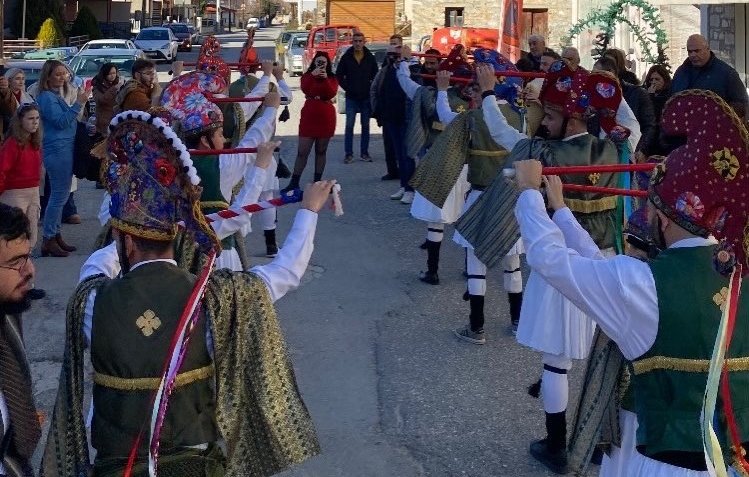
(391, 391)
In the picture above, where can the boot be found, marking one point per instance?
(51, 248)
(63, 245)
(516, 300)
(271, 248)
(433, 260)
(552, 451)
(293, 184)
(317, 177)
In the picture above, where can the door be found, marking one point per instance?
(535, 22)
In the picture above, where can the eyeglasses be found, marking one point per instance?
(21, 261)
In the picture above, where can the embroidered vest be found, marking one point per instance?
(486, 157)
(457, 104)
(212, 199)
(669, 380)
(134, 320)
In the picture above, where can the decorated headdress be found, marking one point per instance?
(509, 87)
(210, 61)
(580, 94)
(703, 185)
(248, 54)
(185, 97)
(456, 63)
(152, 182)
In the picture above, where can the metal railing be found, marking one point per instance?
(11, 47)
(78, 40)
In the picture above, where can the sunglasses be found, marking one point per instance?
(26, 107)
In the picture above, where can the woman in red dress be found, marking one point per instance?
(317, 123)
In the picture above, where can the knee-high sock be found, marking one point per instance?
(435, 232)
(513, 278)
(554, 384)
(267, 216)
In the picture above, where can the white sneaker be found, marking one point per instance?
(398, 195)
(407, 198)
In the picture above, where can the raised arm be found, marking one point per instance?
(409, 86)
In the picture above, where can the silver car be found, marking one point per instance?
(293, 56)
(158, 43)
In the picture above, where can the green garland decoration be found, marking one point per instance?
(606, 18)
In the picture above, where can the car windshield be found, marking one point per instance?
(299, 42)
(87, 66)
(153, 35)
(179, 28)
(105, 46)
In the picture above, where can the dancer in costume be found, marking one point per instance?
(236, 382)
(679, 343)
(466, 140)
(549, 323)
(423, 128)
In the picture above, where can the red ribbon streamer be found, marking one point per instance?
(228, 214)
(211, 152)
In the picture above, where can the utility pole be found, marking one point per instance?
(23, 19)
(218, 16)
(2, 35)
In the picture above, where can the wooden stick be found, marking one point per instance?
(605, 190)
(504, 74)
(602, 169)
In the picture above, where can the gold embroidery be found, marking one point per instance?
(213, 204)
(590, 206)
(146, 384)
(438, 126)
(686, 365)
(479, 152)
(725, 164)
(148, 322)
(720, 298)
(460, 109)
(594, 178)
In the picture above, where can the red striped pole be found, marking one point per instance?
(604, 190)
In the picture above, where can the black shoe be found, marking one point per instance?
(271, 250)
(36, 294)
(390, 177)
(271, 246)
(554, 460)
(430, 278)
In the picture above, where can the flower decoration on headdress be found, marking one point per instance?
(210, 61)
(702, 188)
(152, 182)
(186, 98)
(457, 63)
(509, 87)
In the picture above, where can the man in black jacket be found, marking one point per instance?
(355, 73)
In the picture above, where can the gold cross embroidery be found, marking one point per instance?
(148, 322)
(720, 298)
(460, 109)
(594, 178)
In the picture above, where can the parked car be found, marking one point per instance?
(182, 32)
(328, 38)
(109, 44)
(86, 65)
(379, 50)
(31, 69)
(293, 56)
(194, 35)
(253, 23)
(63, 53)
(158, 43)
(282, 42)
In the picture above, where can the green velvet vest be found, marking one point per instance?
(134, 320)
(211, 199)
(457, 104)
(594, 211)
(485, 157)
(669, 380)
(239, 89)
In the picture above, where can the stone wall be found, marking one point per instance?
(560, 20)
(721, 25)
(679, 22)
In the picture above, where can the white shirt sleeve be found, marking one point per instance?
(409, 86)
(444, 112)
(502, 133)
(249, 194)
(260, 90)
(104, 209)
(285, 90)
(285, 272)
(618, 293)
(235, 166)
(106, 261)
(625, 117)
(575, 236)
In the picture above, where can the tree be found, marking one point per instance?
(49, 34)
(37, 11)
(86, 24)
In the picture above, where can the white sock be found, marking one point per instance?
(476, 286)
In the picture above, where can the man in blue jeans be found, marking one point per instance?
(355, 73)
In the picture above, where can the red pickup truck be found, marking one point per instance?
(327, 38)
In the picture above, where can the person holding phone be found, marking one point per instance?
(318, 117)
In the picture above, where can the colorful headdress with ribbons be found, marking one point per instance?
(152, 182)
(508, 88)
(703, 185)
(186, 98)
(456, 63)
(210, 61)
(581, 94)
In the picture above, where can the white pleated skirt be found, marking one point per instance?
(551, 324)
(229, 259)
(422, 209)
(627, 462)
